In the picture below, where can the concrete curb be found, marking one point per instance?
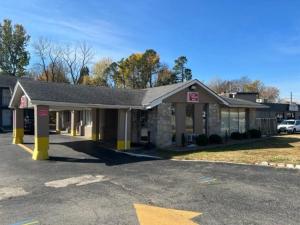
(264, 164)
(140, 155)
(279, 165)
(210, 161)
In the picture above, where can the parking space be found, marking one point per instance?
(83, 183)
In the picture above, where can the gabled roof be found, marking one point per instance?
(154, 96)
(60, 94)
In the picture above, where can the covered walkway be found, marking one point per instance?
(110, 113)
(65, 148)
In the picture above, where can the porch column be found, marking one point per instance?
(180, 114)
(18, 126)
(74, 119)
(198, 118)
(41, 132)
(101, 123)
(124, 129)
(95, 125)
(58, 122)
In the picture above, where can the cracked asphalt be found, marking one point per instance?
(223, 193)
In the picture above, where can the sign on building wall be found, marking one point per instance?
(293, 108)
(23, 102)
(42, 112)
(193, 97)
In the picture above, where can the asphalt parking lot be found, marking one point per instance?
(84, 184)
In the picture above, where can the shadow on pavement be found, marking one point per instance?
(99, 154)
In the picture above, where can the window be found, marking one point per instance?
(173, 123)
(242, 120)
(233, 120)
(225, 121)
(204, 119)
(5, 97)
(189, 118)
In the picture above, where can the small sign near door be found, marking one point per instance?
(193, 97)
(42, 112)
(23, 102)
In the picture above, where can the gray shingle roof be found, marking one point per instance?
(60, 92)
(152, 94)
(89, 95)
(8, 81)
(234, 102)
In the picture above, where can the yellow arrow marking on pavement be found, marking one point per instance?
(151, 215)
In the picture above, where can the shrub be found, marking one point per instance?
(254, 133)
(202, 140)
(215, 139)
(236, 136)
(245, 135)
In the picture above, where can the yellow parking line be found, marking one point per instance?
(27, 149)
(30, 223)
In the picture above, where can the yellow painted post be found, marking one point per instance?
(95, 125)
(41, 132)
(18, 126)
(124, 129)
(74, 118)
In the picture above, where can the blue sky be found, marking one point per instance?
(225, 38)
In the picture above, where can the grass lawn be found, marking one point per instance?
(279, 149)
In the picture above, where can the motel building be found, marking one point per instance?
(124, 117)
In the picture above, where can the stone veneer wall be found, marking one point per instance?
(214, 119)
(159, 123)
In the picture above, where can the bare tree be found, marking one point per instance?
(50, 57)
(245, 84)
(41, 48)
(76, 58)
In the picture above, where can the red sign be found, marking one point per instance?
(193, 97)
(23, 102)
(42, 112)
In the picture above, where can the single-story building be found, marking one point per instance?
(159, 115)
(280, 111)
